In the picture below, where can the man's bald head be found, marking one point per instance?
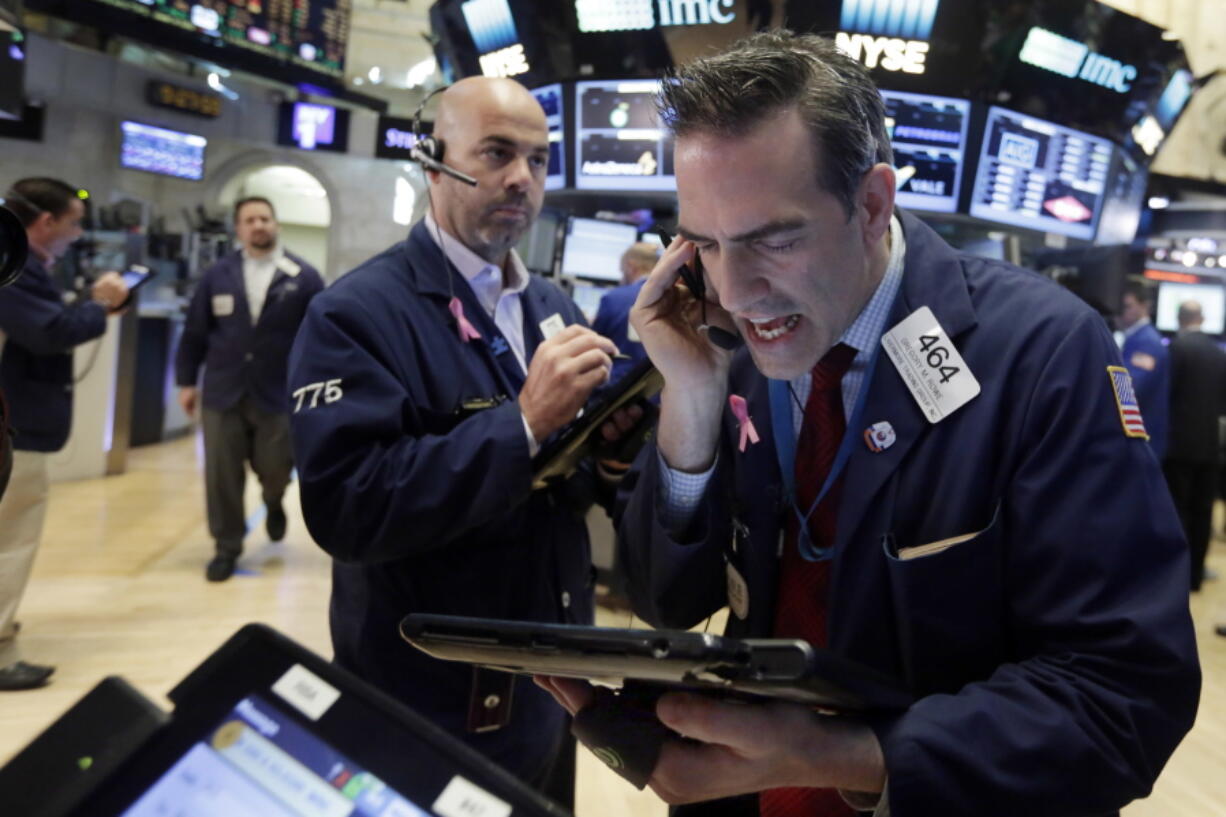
(1191, 315)
(494, 130)
(472, 99)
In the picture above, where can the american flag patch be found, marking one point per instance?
(1126, 401)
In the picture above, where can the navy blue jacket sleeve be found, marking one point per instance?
(1097, 578)
(194, 343)
(380, 478)
(44, 325)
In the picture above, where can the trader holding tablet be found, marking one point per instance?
(931, 463)
(423, 383)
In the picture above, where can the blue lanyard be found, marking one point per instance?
(785, 450)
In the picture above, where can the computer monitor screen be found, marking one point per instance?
(538, 245)
(1124, 201)
(928, 134)
(550, 97)
(593, 248)
(309, 126)
(162, 151)
(1211, 297)
(1039, 175)
(587, 297)
(620, 143)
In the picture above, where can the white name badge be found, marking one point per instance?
(223, 306)
(931, 367)
(289, 266)
(552, 326)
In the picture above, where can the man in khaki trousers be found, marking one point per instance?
(38, 331)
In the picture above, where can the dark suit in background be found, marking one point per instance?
(1198, 398)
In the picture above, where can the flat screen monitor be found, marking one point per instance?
(593, 248)
(928, 134)
(550, 97)
(538, 245)
(1124, 202)
(162, 151)
(1039, 175)
(1210, 296)
(586, 296)
(309, 126)
(620, 143)
(298, 41)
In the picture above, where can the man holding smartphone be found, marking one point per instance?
(38, 332)
(947, 480)
(240, 325)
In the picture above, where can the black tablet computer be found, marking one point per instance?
(780, 668)
(559, 456)
(263, 728)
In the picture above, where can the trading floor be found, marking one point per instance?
(117, 591)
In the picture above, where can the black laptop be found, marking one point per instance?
(263, 728)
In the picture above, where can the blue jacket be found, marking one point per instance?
(1053, 650)
(36, 364)
(613, 321)
(423, 498)
(1149, 363)
(241, 358)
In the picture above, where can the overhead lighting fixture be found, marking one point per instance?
(375, 74)
(214, 82)
(1189, 258)
(1158, 202)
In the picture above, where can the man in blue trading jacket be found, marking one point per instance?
(38, 331)
(241, 322)
(1148, 362)
(613, 316)
(975, 511)
(423, 383)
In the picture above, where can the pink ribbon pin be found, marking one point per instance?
(467, 330)
(740, 410)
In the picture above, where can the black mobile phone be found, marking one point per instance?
(696, 281)
(134, 277)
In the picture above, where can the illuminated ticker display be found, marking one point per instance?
(310, 34)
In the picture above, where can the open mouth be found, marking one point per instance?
(768, 329)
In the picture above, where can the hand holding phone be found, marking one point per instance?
(696, 283)
(134, 277)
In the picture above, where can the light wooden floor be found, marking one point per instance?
(118, 589)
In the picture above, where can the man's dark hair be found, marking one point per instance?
(238, 205)
(759, 76)
(30, 198)
(1139, 291)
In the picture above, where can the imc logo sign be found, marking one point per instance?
(890, 34)
(1069, 58)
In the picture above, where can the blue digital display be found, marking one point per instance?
(550, 97)
(620, 143)
(928, 134)
(1039, 175)
(908, 19)
(491, 24)
(162, 151)
(309, 126)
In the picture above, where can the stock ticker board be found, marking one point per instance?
(308, 35)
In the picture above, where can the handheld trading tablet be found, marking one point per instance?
(787, 669)
(560, 456)
(263, 728)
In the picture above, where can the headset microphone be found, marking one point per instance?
(430, 163)
(428, 151)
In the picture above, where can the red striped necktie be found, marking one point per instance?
(800, 604)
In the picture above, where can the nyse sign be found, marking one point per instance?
(889, 53)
